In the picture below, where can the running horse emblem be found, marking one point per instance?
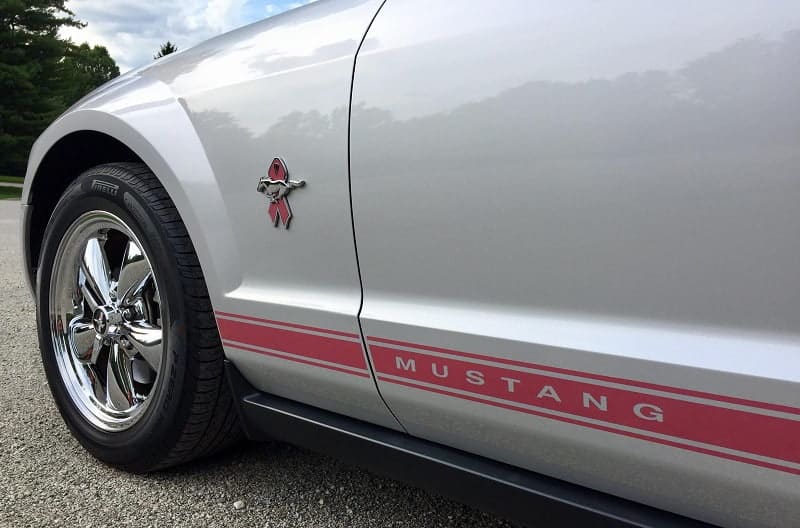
(276, 186)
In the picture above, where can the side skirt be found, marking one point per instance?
(510, 492)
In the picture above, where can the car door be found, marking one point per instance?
(290, 291)
(577, 232)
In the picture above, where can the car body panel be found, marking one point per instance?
(578, 220)
(300, 66)
(132, 109)
(591, 200)
(208, 122)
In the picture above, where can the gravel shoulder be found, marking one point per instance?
(47, 479)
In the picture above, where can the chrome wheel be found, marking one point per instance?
(106, 321)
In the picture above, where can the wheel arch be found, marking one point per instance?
(163, 140)
(69, 157)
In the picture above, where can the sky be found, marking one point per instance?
(133, 30)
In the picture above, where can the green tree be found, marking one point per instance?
(165, 49)
(38, 73)
(85, 68)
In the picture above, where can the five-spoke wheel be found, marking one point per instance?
(106, 320)
(127, 333)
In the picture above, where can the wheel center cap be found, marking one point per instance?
(105, 319)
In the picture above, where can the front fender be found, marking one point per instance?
(143, 114)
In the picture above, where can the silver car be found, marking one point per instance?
(541, 256)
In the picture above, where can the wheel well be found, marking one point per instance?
(64, 162)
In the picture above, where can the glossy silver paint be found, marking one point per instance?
(280, 87)
(609, 188)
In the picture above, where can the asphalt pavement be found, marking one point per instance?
(47, 479)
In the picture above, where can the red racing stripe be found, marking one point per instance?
(633, 383)
(735, 429)
(599, 427)
(332, 349)
(745, 431)
(361, 374)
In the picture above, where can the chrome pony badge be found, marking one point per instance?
(276, 186)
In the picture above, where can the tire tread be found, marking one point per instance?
(213, 423)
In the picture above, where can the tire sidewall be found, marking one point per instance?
(160, 424)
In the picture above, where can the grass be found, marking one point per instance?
(10, 193)
(10, 179)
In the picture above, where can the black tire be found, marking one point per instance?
(193, 413)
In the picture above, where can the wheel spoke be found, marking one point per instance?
(134, 274)
(146, 340)
(89, 296)
(83, 338)
(98, 389)
(119, 381)
(94, 265)
(97, 346)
